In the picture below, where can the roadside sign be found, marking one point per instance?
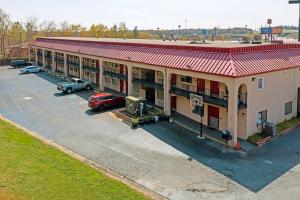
(266, 31)
(294, 1)
(277, 30)
(269, 21)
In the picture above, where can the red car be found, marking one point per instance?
(102, 101)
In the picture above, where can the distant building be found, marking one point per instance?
(19, 51)
(243, 85)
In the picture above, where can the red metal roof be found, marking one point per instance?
(232, 62)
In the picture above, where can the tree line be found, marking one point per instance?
(16, 33)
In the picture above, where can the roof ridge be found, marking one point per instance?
(232, 65)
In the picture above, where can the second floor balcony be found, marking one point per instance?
(115, 73)
(90, 68)
(209, 96)
(148, 82)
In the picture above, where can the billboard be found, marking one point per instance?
(277, 30)
(266, 31)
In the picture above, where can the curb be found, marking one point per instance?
(106, 171)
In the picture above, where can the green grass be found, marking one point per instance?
(30, 169)
(288, 124)
(256, 138)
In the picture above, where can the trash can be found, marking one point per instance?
(270, 129)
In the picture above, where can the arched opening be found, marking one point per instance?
(242, 114)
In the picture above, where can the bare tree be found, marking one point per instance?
(64, 27)
(4, 26)
(48, 27)
(31, 27)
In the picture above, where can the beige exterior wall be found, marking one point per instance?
(280, 87)
(183, 107)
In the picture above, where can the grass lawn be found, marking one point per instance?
(29, 169)
(288, 124)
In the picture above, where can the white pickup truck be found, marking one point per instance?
(74, 85)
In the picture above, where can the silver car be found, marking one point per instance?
(31, 69)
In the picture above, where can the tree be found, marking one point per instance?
(31, 28)
(65, 28)
(16, 33)
(48, 28)
(4, 26)
(97, 31)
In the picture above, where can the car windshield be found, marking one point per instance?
(73, 80)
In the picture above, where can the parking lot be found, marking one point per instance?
(162, 157)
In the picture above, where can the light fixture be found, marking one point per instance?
(253, 79)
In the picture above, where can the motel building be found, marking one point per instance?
(242, 85)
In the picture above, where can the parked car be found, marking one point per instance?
(101, 101)
(31, 69)
(74, 85)
(20, 63)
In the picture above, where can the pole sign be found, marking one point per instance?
(269, 22)
(277, 30)
(294, 1)
(266, 31)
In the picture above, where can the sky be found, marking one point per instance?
(153, 14)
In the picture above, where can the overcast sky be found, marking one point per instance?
(152, 14)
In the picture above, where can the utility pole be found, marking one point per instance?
(297, 2)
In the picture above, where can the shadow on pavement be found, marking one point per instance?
(254, 170)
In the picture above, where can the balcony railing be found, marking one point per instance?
(111, 72)
(49, 56)
(154, 83)
(73, 63)
(59, 59)
(92, 69)
(220, 99)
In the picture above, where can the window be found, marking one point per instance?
(114, 81)
(262, 118)
(107, 79)
(288, 108)
(86, 73)
(261, 83)
(160, 94)
(186, 79)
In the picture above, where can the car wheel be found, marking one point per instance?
(101, 108)
(69, 90)
(88, 87)
(40, 70)
(27, 72)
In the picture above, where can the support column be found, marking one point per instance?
(80, 68)
(43, 58)
(167, 96)
(101, 76)
(29, 54)
(36, 56)
(65, 65)
(53, 61)
(233, 113)
(129, 79)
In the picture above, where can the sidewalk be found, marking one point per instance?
(214, 135)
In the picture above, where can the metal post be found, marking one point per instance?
(299, 26)
(201, 127)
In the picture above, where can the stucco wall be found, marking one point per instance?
(279, 88)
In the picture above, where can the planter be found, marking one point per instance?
(263, 141)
